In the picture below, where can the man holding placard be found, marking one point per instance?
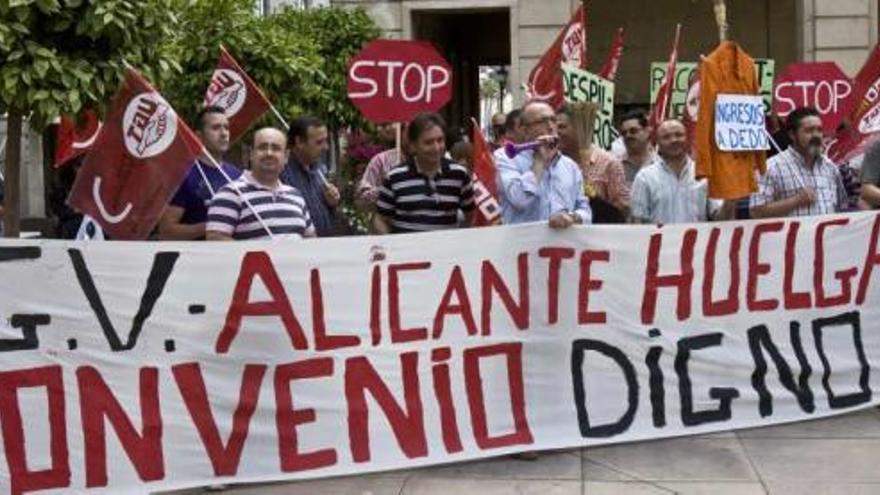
(800, 181)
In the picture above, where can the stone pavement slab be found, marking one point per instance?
(663, 488)
(830, 460)
(680, 459)
(433, 486)
(813, 488)
(835, 456)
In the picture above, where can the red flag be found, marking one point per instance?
(138, 160)
(485, 185)
(661, 104)
(73, 139)
(233, 90)
(863, 121)
(609, 70)
(545, 80)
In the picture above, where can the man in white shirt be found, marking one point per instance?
(667, 191)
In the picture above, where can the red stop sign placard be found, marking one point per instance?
(821, 85)
(394, 80)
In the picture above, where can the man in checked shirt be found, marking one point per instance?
(800, 181)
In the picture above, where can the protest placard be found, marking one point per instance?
(582, 86)
(739, 123)
(820, 85)
(142, 367)
(685, 71)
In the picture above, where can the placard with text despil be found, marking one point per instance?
(582, 86)
(135, 367)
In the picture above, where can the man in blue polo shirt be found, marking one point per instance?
(543, 184)
(308, 143)
(184, 218)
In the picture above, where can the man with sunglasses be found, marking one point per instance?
(636, 137)
(542, 184)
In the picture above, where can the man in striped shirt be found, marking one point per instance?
(258, 205)
(427, 191)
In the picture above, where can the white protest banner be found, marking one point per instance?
(135, 367)
(582, 86)
(739, 123)
(685, 71)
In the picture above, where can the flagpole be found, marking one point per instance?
(720, 8)
(237, 190)
(278, 116)
(398, 131)
(584, 32)
(205, 178)
(667, 105)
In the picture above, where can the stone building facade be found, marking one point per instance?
(784, 30)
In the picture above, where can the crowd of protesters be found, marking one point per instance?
(422, 180)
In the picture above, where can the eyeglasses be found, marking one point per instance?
(550, 119)
(631, 131)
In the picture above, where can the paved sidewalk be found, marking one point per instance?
(822, 457)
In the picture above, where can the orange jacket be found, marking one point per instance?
(727, 70)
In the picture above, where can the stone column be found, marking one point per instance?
(843, 31)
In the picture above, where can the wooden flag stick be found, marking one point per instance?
(584, 33)
(279, 117)
(720, 8)
(398, 140)
(583, 120)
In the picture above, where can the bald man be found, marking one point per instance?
(667, 191)
(542, 184)
(258, 205)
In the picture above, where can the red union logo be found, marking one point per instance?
(870, 122)
(227, 91)
(149, 125)
(870, 110)
(486, 203)
(572, 45)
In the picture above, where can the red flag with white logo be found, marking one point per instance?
(138, 160)
(609, 70)
(75, 138)
(485, 177)
(237, 94)
(661, 104)
(863, 120)
(545, 80)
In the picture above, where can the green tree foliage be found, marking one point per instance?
(339, 34)
(57, 56)
(298, 57)
(286, 65)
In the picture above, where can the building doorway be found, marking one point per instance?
(764, 28)
(469, 39)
